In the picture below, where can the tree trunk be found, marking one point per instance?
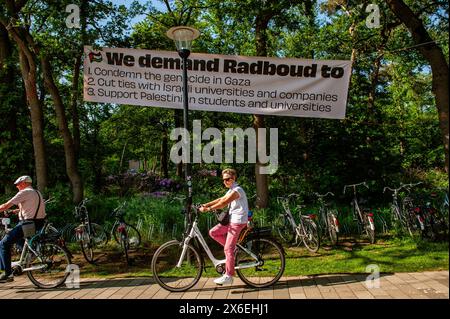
(74, 107)
(439, 67)
(262, 188)
(7, 71)
(69, 152)
(76, 80)
(28, 69)
(164, 152)
(8, 108)
(29, 74)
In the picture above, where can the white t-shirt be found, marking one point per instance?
(28, 199)
(238, 207)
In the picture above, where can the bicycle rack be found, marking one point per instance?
(174, 230)
(139, 224)
(150, 232)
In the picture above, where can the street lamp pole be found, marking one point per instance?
(183, 37)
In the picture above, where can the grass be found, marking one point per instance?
(354, 257)
(350, 256)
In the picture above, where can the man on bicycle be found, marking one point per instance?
(31, 208)
(227, 235)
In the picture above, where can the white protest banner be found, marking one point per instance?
(220, 83)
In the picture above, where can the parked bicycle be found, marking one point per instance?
(178, 265)
(328, 220)
(306, 231)
(126, 235)
(89, 235)
(423, 217)
(43, 257)
(402, 215)
(363, 218)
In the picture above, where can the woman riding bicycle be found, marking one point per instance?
(227, 235)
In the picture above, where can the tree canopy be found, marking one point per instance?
(394, 130)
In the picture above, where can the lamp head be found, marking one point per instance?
(183, 37)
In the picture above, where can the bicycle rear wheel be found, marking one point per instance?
(269, 253)
(51, 265)
(165, 270)
(86, 243)
(134, 237)
(125, 245)
(311, 235)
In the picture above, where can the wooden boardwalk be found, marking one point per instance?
(423, 285)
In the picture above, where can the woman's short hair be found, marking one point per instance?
(230, 171)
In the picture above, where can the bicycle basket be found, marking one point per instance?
(28, 228)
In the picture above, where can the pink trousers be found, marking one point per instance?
(227, 236)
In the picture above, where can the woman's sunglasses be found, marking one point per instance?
(226, 179)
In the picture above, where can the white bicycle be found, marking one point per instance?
(43, 257)
(178, 265)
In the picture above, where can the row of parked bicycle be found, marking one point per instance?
(47, 260)
(91, 235)
(411, 218)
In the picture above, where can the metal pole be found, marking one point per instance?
(184, 53)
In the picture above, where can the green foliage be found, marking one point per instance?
(397, 139)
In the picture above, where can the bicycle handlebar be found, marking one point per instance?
(409, 185)
(84, 202)
(322, 196)
(285, 199)
(354, 186)
(120, 207)
(179, 198)
(388, 188)
(405, 186)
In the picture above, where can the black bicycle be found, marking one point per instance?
(402, 215)
(126, 235)
(363, 218)
(89, 235)
(328, 220)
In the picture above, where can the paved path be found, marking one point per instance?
(424, 285)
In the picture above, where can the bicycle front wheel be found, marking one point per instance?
(86, 243)
(311, 235)
(50, 268)
(370, 228)
(283, 229)
(332, 228)
(99, 235)
(166, 272)
(270, 259)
